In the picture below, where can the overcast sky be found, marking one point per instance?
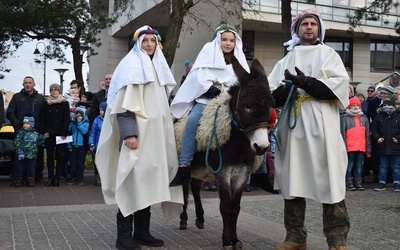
(23, 65)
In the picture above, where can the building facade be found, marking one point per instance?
(370, 54)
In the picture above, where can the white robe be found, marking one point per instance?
(136, 179)
(312, 162)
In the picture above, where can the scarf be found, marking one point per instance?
(54, 100)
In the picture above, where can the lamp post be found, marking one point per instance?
(354, 85)
(61, 72)
(42, 53)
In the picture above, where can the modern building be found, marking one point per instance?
(370, 54)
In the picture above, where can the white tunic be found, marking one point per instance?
(136, 179)
(312, 162)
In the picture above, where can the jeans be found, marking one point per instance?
(189, 142)
(355, 159)
(261, 170)
(77, 161)
(26, 167)
(384, 162)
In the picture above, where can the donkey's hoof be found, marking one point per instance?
(238, 246)
(199, 224)
(182, 226)
(228, 248)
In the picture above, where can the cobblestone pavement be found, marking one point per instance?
(74, 217)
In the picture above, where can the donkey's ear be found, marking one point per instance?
(257, 67)
(237, 68)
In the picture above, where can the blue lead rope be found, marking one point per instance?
(209, 168)
(290, 105)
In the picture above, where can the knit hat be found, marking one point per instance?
(103, 106)
(79, 111)
(89, 95)
(389, 101)
(55, 86)
(387, 89)
(30, 120)
(354, 101)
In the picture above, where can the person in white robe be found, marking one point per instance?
(136, 156)
(211, 74)
(311, 162)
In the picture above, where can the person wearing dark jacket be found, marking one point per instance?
(99, 97)
(56, 120)
(1, 109)
(28, 101)
(385, 130)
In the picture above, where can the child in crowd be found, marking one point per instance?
(78, 128)
(94, 139)
(355, 132)
(27, 140)
(73, 99)
(385, 130)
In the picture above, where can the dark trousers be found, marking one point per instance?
(39, 163)
(77, 163)
(25, 167)
(54, 152)
(335, 221)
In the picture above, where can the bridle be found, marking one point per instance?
(238, 124)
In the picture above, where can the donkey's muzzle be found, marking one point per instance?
(260, 150)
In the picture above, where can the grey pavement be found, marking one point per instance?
(74, 217)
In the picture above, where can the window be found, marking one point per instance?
(384, 56)
(343, 46)
(248, 44)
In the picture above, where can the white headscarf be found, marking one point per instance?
(209, 67)
(295, 23)
(137, 68)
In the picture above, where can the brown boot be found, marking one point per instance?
(290, 245)
(17, 182)
(31, 182)
(337, 248)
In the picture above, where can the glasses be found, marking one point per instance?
(370, 91)
(108, 78)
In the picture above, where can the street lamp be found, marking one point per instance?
(354, 85)
(61, 72)
(42, 53)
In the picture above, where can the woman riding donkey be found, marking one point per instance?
(211, 73)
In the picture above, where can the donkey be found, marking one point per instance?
(249, 106)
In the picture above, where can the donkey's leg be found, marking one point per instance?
(225, 209)
(237, 187)
(196, 187)
(184, 216)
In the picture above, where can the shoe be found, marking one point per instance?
(290, 245)
(381, 186)
(72, 181)
(80, 183)
(396, 187)
(56, 183)
(31, 182)
(18, 182)
(182, 177)
(349, 184)
(247, 188)
(49, 182)
(206, 186)
(212, 185)
(357, 184)
(97, 180)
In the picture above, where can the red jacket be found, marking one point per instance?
(355, 132)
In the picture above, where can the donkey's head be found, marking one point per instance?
(250, 104)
